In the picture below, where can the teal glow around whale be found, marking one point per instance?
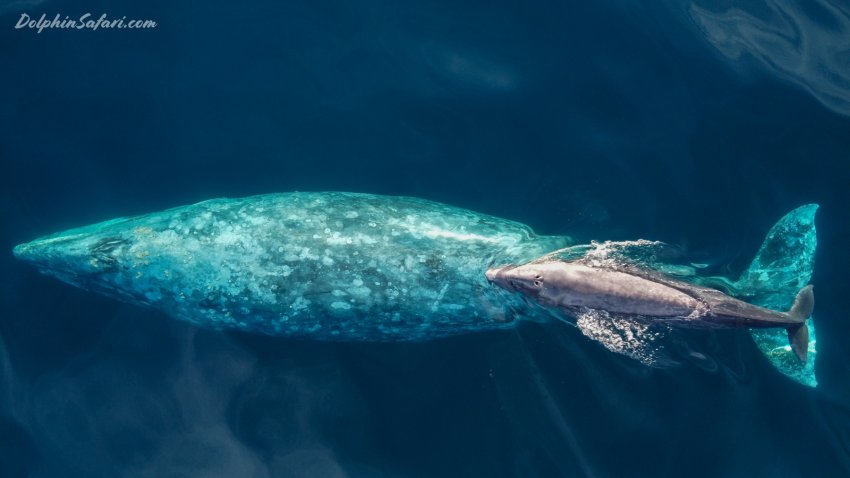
(361, 267)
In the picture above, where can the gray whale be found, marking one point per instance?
(328, 266)
(631, 293)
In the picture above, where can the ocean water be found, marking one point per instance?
(695, 123)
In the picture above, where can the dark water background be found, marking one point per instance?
(696, 124)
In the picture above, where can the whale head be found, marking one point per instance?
(526, 279)
(101, 257)
(549, 283)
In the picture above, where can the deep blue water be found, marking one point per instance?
(699, 124)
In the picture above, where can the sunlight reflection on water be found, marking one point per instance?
(805, 44)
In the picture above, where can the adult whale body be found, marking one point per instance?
(329, 266)
(346, 266)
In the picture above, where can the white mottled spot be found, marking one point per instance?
(227, 238)
(340, 305)
(439, 297)
(300, 303)
(360, 291)
(351, 214)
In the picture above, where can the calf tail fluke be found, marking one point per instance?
(798, 334)
(804, 303)
(798, 337)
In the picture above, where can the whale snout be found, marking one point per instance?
(491, 274)
(501, 276)
(50, 251)
(526, 279)
(22, 252)
(77, 255)
(66, 257)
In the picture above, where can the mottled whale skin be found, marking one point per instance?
(328, 266)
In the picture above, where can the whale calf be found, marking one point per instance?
(363, 267)
(631, 293)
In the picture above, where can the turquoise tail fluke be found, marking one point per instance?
(782, 268)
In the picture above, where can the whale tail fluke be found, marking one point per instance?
(804, 303)
(798, 337)
(798, 334)
(782, 268)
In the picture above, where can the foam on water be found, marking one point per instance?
(632, 338)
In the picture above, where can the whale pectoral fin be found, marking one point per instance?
(636, 339)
